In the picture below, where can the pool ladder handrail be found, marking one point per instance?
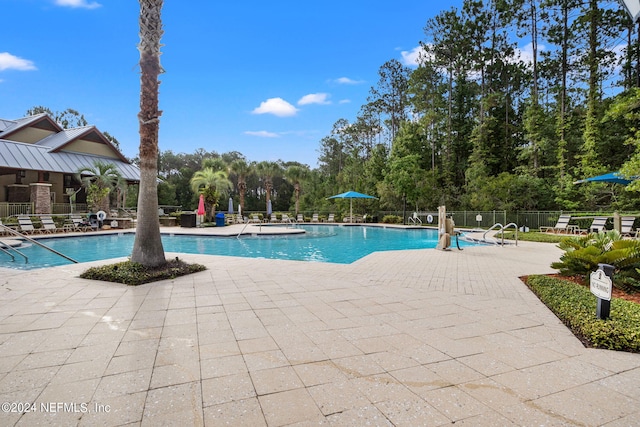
(35, 242)
(502, 228)
(414, 219)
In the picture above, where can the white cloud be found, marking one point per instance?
(344, 101)
(262, 134)
(83, 4)
(12, 62)
(348, 81)
(315, 98)
(411, 58)
(276, 106)
(526, 53)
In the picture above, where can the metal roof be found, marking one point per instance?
(13, 125)
(55, 140)
(19, 155)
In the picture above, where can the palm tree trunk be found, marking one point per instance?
(147, 247)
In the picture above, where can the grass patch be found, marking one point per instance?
(133, 273)
(575, 306)
(534, 236)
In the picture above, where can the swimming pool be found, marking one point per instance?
(320, 243)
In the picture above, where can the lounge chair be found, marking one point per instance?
(331, 218)
(300, 218)
(26, 226)
(48, 226)
(561, 226)
(314, 218)
(76, 224)
(286, 219)
(596, 226)
(273, 218)
(626, 228)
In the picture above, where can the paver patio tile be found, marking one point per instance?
(227, 389)
(174, 405)
(337, 396)
(411, 412)
(454, 403)
(267, 381)
(169, 375)
(27, 380)
(115, 411)
(365, 415)
(245, 412)
(121, 384)
(223, 366)
(289, 407)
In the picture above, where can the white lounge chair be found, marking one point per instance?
(626, 226)
(76, 223)
(48, 226)
(314, 218)
(26, 226)
(561, 225)
(331, 218)
(300, 218)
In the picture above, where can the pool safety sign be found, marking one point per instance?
(601, 285)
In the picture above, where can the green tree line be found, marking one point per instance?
(511, 102)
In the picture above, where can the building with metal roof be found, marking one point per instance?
(39, 160)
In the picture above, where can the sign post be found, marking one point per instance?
(601, 286)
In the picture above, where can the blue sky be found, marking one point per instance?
(267, 79)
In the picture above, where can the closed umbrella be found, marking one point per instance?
(230, 205)
(351, 195)
(200, 212)
(269, 208)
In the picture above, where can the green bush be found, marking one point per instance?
(392, 219)
(575, 306)
(132, 273)
(583, 254)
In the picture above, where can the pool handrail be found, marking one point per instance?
(35, 242)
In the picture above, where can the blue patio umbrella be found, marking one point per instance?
(613, 177)
(351, 195)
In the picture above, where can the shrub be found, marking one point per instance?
(392, 219)
(583, 254)
(133, 273)
(575, 306)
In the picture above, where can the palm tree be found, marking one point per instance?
(98, 181)
(242, 170)
(210, 183)
(147, 246)
(295, 174)
(267, 171)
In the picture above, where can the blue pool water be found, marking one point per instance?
(320, 243)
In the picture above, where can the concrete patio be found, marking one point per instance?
(404, 338)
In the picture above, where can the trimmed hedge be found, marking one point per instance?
(575, 306)
(132, 273)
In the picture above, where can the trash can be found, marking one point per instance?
(188, 219)
(220, 219)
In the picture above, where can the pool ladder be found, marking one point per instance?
(7, 250)
(502, 228)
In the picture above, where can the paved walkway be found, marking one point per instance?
(404, 338)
